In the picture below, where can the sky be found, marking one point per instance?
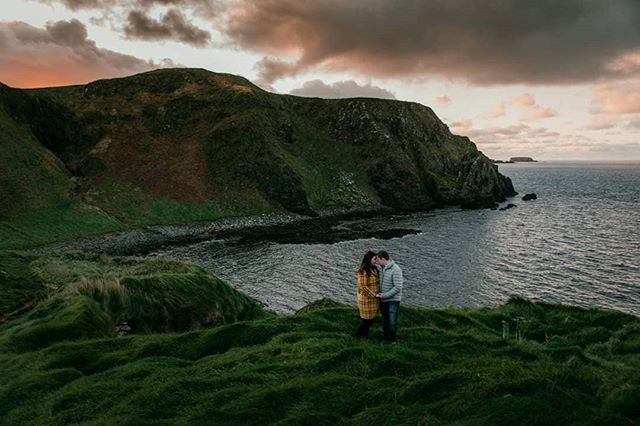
(547, 79)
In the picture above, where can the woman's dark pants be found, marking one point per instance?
(390, 311)
(363, 329)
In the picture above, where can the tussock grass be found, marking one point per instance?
(78, 295)
(61, 361)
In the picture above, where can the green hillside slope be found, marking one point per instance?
(62, 362)
(30, 175)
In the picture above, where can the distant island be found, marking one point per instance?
(522, 160)
(516, 160)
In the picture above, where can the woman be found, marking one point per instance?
(368, 287)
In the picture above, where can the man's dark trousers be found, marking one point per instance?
(390, 311)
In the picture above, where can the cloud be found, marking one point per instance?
(271, 69)
(172, 26)
(633, 124)
(104, 4)
(115, 13)
(513, 133)
(79, 4)
(341, 89)
(621, 98)
(618, 151)
(461, 127)
(522, 139)
(520, 41)
(443, 100)
(628, 63)
(59, 54)
(532, 111)
(600, 123)
(499, 110)
(497, 134)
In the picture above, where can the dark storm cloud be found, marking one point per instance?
(132, 17)
(102, 4)
(341, 89)
(490, 42)
(59, 54)
(172, 26)
(79, 4)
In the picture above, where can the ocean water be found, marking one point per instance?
(578, 243)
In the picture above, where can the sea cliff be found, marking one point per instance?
(181, 145)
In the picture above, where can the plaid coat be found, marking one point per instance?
(368, 287)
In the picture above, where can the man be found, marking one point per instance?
(390, 294)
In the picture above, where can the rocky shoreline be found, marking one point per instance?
(279, 227)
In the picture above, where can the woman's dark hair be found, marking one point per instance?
(365, 266)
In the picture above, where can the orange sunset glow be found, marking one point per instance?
(552, 82)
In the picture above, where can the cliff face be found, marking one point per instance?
(198, 137)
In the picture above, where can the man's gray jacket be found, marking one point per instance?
(391, 282)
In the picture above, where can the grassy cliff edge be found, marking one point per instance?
(198, 352)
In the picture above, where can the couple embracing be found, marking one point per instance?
(379, 289)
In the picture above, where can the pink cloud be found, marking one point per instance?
(623, 98)
(443, 100)
(461, 127)
(600, 123)
(60, 54)
(532, 110)
(628, 63)
(498, 110)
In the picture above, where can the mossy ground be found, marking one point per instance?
(450, 366)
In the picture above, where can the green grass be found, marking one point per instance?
(39, 227)
(164, 211)
(333, 173)
(30, 175)
(131, 206)
(450, 366)
(76, 295)
(73, 220)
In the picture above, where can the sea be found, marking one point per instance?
(578, 243)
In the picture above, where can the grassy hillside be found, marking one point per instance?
(44, 299)
(521, 363)
(183, 145)
(31, 176)
(39, 204)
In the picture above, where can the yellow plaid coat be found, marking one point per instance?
(368, 287)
